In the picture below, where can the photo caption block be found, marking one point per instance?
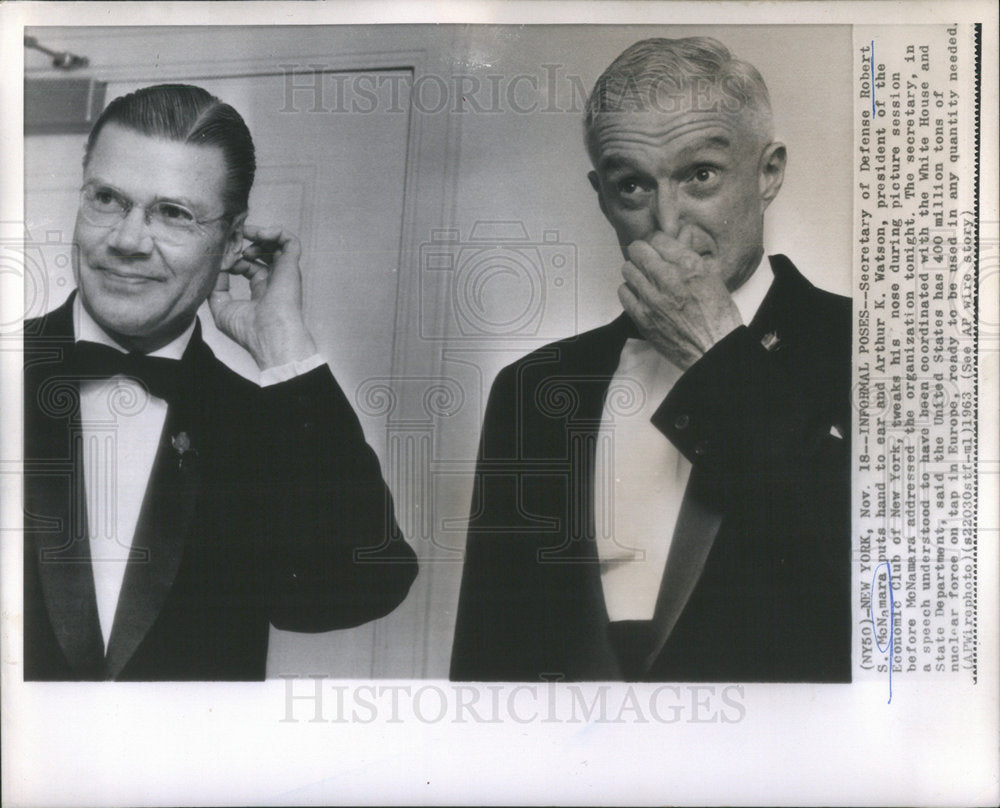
(915, 391)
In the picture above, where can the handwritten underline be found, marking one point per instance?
(892, 618)
(871, 67)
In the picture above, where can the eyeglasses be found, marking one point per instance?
(168, 222)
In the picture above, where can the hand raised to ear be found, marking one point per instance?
(270, 325)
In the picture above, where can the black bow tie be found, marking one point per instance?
(159, 375)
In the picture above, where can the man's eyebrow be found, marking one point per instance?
(709, 143)
(614, 162)
(171, 200)
(98, 181)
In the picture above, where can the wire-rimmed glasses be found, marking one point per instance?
(168, 222)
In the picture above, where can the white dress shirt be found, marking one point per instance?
(122, 424)
(639, 475)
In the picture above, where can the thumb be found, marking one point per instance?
(222, 306)
(220, 295)
(688, 237)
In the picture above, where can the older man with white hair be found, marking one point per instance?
(667, 497)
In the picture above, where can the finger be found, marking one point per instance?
(632, 306)
(260, 279)
(257, 274)
(261, 254)
(240, 267)
(675, 251)
(285, 250)
(258, 253)
(257, 232)
(255, 269)
(248, 268)
(266, 243)
(219, 299)
(276, 236)
(656, 299)
(224, 310)
(222, 283)
(700, 246)
(663, 274)
(639, 284)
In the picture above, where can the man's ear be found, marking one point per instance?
(771, 172)
(234, 242)
(595, 183)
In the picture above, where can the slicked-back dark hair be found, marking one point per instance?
(188, 114)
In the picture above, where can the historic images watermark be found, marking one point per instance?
(320, 88)
(320, 700)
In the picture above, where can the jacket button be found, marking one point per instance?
(682, 421)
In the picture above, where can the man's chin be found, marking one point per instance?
(119, 318)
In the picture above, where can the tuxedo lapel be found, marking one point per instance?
(587, 371)
(55, 512)
(63, 559)
(164, 521)
(694, 534)
(586, 368)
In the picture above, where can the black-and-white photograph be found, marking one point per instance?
(612, 465)
(383, 387)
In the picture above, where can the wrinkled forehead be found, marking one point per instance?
(670, 95)
(665, 104)
(672, 134)
(148, 166)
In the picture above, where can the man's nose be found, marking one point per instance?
(131, 235)
(667, 213)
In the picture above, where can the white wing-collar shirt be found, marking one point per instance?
(640, 477)
(122, 424)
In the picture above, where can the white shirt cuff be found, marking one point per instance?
(288, 371)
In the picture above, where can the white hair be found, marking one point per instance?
(671, 75)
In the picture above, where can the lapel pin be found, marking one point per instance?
(182, 445)
(771, 341)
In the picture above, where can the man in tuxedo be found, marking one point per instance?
(174, 509)
(667, 497)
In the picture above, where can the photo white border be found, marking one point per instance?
(148, 744)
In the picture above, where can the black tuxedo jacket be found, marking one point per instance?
(277, 512)
(766, 513)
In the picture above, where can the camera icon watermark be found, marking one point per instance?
(497, 283)
(37, 263)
